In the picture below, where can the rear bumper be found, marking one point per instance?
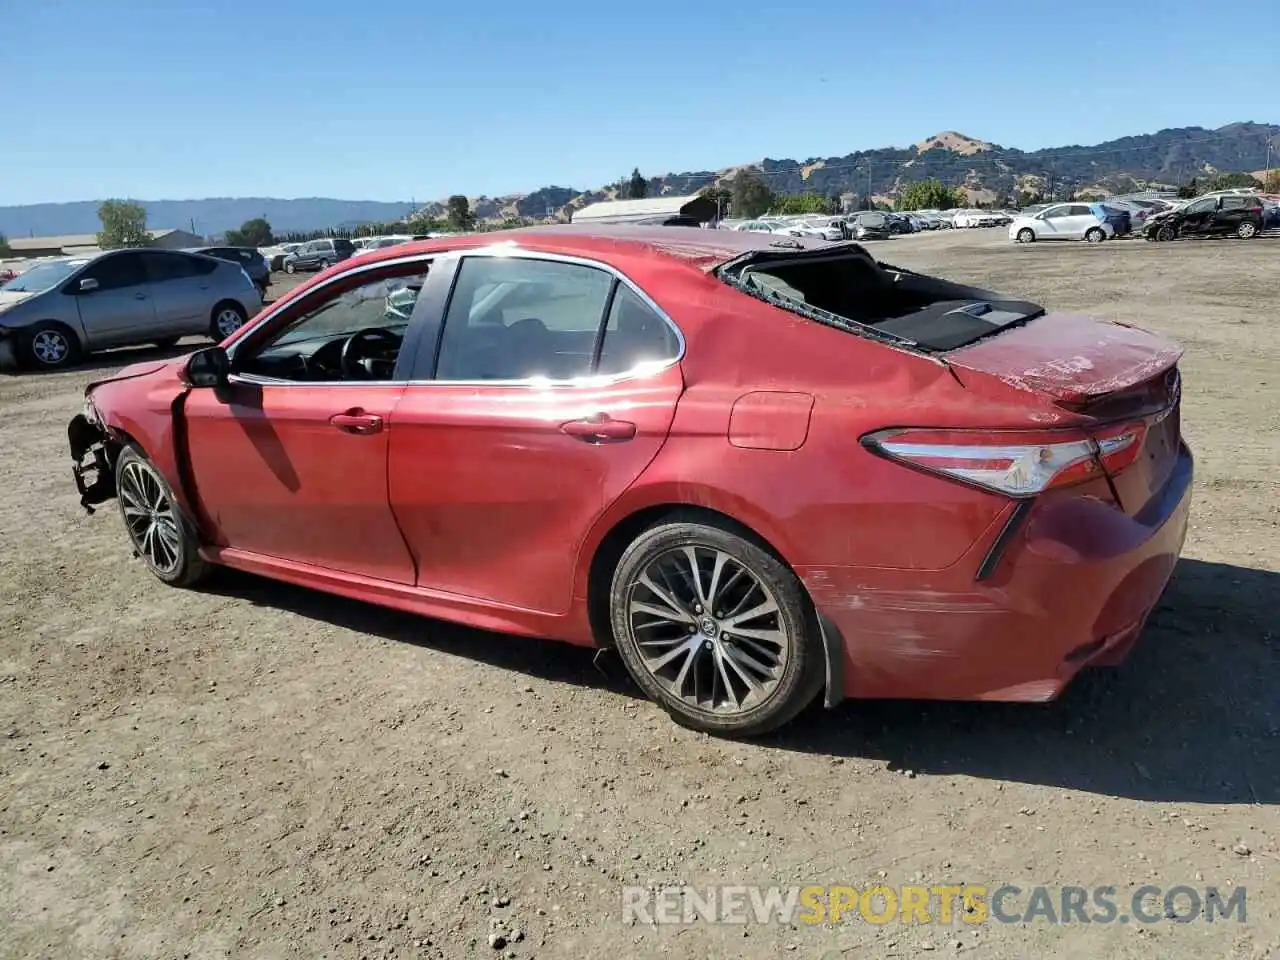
(1072, 587)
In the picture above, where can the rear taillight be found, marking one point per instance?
(1015, 464)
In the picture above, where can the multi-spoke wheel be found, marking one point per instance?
(228, 317)
(715, 629)
(48, 345)
(160, 535)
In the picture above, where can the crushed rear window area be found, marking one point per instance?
(850, 290)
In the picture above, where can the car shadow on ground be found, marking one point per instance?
(1192, 716)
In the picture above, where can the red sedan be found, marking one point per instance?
(759, 467)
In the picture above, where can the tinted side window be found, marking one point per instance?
(1054, 212)
(1235, 203)
(634, 334)
(168, 266)
(1078, 210)
(511, 318)
(117, 271)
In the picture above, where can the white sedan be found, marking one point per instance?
(1062, 221)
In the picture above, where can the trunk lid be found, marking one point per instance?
(1111, 373)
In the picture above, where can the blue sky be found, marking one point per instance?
(400, 99)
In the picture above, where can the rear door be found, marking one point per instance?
(121, 309)
(180, 288)
(550, 387)
(1232, 211)
(1079, 220)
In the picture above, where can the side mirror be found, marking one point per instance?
(88, 285)
(209, 367)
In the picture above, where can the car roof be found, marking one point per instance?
(703, 248)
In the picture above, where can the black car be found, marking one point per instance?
(319, 254)
(1222, 215)
(253, 262)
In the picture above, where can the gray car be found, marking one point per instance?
(61, 309)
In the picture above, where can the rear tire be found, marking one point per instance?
(1026, 235)
(714, 664)
(48, 345)
(1095, 235)
(157, 528)
(227, 317)
(1247, 230)
(289, 268)
(324, 265)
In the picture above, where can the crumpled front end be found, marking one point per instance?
(93, 458)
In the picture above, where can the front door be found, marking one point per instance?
(1197, 218)
(120, 310)
(290, 461)
(554, 388)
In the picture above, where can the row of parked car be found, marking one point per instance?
(1239, 213)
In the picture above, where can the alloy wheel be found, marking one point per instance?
(1246, 230)
(227, 322)
(708, 630)
(1026, 235)
(50, 347)
(150, 518)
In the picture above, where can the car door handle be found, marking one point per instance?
(139, 296)
(600, 428)
(355, 422)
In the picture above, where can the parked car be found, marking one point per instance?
(61, 309)
(1220, 215)
(318, 254)
(1062, 221)
(1119, 218)
(1007, 474)
(254, 263)
(275, 255)
(870, 225)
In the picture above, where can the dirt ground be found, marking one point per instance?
(254, 770)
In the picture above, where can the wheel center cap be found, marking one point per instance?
(708, 626)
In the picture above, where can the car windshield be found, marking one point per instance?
(43, 276)
(871, 219)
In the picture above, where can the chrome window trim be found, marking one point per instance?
(507, 248)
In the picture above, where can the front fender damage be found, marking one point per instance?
(93, 461)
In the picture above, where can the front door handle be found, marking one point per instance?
(356, 421)
(600, 428)
(139, 296)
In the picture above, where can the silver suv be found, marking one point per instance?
(60, 310)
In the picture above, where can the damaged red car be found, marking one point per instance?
(762, 469)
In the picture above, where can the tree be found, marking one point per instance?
(458, 213)
(252, 233)
(1026, 198)
(751, 196)
(124, 224)
(5, 249)
(1271, 183)
(801, 203)
(1227, 181)
(929, 195)
(637, 186)
(722, 197)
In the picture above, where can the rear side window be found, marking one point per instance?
(1237, 203)
(343, 245)
(512, 319)
(1078, 210)
(161, 267)
(634, 334)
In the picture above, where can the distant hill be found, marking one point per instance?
(211, 216)
(988, 171)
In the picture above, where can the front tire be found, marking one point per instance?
(1166, 233)
(1094, 235)
(160, 533)
(1026, 235)
(48, 345)
(716, 629)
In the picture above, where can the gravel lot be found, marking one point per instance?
(257, 771)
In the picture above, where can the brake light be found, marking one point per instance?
(1016, 464)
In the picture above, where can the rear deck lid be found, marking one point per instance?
(1072, 360)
